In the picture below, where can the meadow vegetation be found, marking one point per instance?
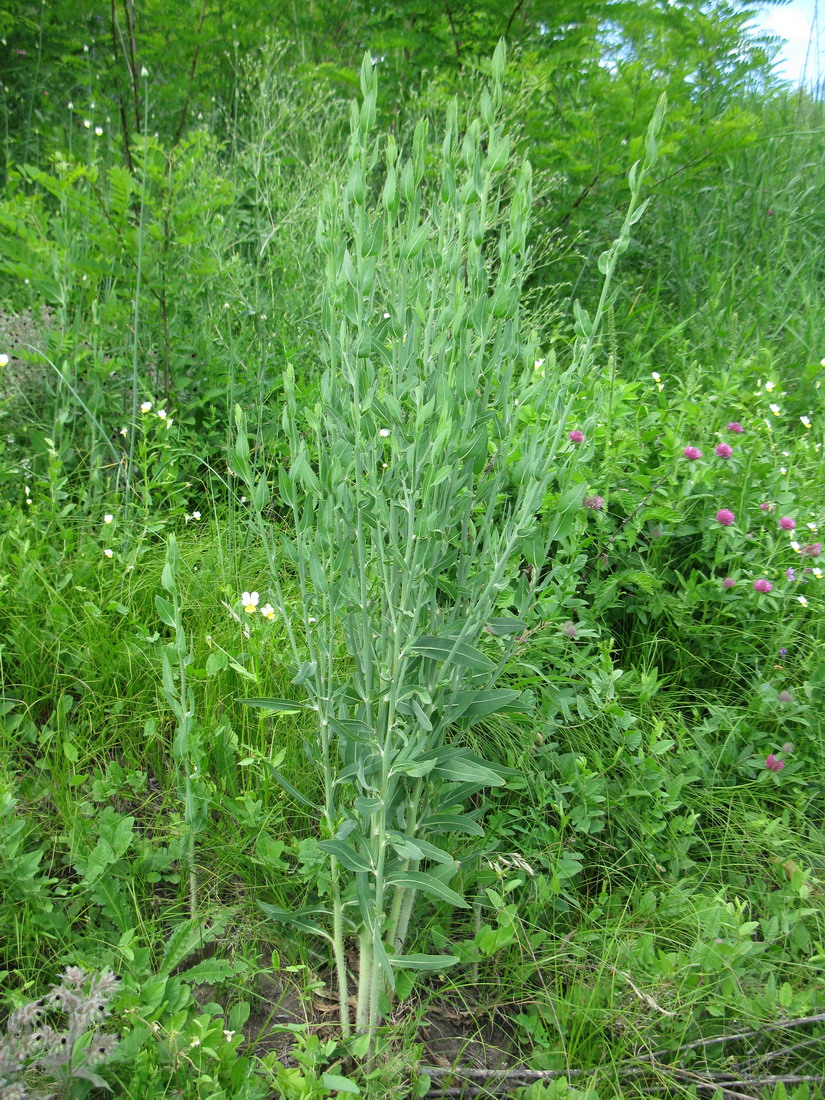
(412, 651)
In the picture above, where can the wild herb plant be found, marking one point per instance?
(186, 749)
(414, 489)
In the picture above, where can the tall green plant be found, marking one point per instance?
(415, 491)
(186, 747)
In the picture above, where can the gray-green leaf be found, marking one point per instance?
(420, 880)
(445, 649)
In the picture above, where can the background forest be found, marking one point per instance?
(412, 651)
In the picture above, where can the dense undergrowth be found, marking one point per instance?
(639, 868)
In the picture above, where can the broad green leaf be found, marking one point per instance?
(89, 1075)
(417, 848)
(352, 859)
(353, 730)
(478, 704)
(269, 851)
(457, 752)
(165, 610)
(340, 1084)
(286, 487)
(466, 770)
(305, 672)
(405, 847)
(443, 649)
(420, 880)
(217, 661)
(415, 768)
(423, 962)
(415, 242)
(115, 839)
(167, 577)
(279, 706)
(422, 718)
(452, 823)
(506, 625)
(367, 806)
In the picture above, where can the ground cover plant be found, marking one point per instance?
(411, 643)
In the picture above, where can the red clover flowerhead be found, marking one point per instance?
(725, 517)
(786, 523)
(735, 426)
(576, 436)
(728, 582)
(692, 453)
(594, 503)
(724, 450)
(812, 550)
(774, 765)
(762, 585)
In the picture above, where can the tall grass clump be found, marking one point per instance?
(415, 486)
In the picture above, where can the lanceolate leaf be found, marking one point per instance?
(444, 649)
(463, 769)
(166, 611)
(282, 781)
(352, 859)
(452, 823)
(420, 880)
(499, 626)
(478, 704)
(416, 847)
(423, 962)
(279, 706)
